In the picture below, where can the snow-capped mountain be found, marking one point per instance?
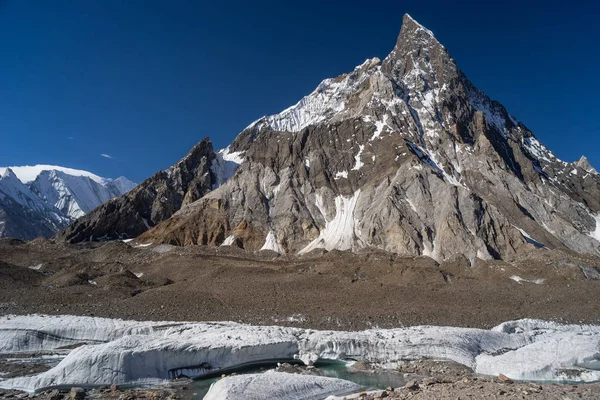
(22, 213)
(76, 196)
(39, 200)
(403, 154)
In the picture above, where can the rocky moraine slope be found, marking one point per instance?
(402, 154)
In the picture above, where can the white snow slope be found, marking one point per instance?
(271, 243)
(127, 352)
(28, 173)
(11, 187)
(13, 190)
(74, 195)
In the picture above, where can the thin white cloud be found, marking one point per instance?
(105, 155)
(71, 138)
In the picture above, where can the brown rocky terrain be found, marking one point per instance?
(336, 290)
(325, 290)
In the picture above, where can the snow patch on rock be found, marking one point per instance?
(538, 150)
(358, 164)
(224, 165)
(228, 240)
(529, 239)
(341, 175)
(518, 279)
(596, 232)
(271, 243)
(340, 232)
(379, 126)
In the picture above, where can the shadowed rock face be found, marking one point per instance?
(149, 203)
(402, 154)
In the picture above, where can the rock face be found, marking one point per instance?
(151, 202)
(403, 154)
(39, 200)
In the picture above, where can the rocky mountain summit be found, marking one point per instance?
(402, 154)
(154, 200)
(39, 200)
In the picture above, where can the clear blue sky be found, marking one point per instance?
(143, 81)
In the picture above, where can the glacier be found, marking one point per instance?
(136, 353)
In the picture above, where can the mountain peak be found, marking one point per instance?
(403, 155)
(413, 34)
(584, 163)
(420, 57)
(409, 24)
(8, 173)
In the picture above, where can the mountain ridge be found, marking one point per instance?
(403, 154)
(39, 200)
(155, 199)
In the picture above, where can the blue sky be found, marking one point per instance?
(143, 81)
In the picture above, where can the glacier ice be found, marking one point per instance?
(278, 385)
(130, 352)
(32, 333)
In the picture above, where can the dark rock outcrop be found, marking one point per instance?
(152, 201)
